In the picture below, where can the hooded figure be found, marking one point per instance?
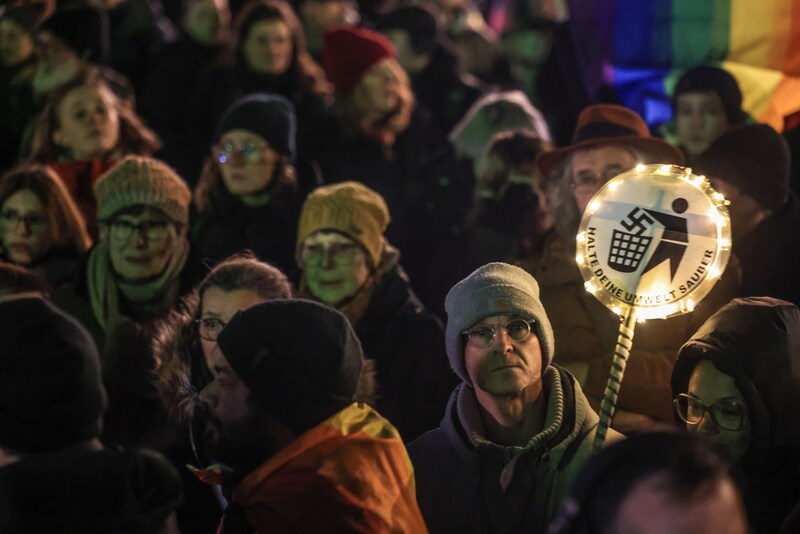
(754, 345)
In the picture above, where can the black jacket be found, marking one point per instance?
(103, 491)
(407, 344)
(757, 342)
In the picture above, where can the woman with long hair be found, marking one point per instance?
(247, 197)
(84, 130)
(267, 53)
(40, 226)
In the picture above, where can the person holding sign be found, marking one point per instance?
(518, 427)
(737, 382)
(609, 140)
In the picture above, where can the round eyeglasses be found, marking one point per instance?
(209, 328)
(727, 414)
(483, 335)
(250, 152)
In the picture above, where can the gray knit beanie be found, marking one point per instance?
(494, 289)
(140, 181)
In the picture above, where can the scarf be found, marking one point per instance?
(152, 296)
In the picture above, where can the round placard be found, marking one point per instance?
(656, 239)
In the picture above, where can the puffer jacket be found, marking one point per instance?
(757, 342)
(466, 483)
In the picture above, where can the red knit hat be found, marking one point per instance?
(348, 52)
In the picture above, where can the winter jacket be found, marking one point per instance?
(349, 474)
(442, 89)
(391, 171)
(105, 491)
(466, 483)
(269, 231)
(769, 255)
(586, 333)
(757, 342)
(406, 342)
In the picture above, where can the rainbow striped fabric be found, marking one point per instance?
(640, 48)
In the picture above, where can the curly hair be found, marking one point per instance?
(176, 345)
(135, 138)
(65, 222)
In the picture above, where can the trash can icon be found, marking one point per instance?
(627, 251)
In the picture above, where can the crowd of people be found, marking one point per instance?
(293, 267)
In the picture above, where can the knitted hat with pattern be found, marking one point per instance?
(349, 52)
(351, 208)
(140, 181)
(494, 289)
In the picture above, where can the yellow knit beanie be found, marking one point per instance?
(351, 208)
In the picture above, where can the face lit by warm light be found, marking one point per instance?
(249, 163)
(381, 85)
(24, 228)
(593, 167)
(708, 385)
(217, 309)
(16, 44)
(506, 367)
(268, 47)
(88, 123)
(139, 257)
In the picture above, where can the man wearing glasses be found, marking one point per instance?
(737, 382)
(518, 427)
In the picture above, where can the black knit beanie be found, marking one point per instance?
(269, 115)
(85, 30)
(755, 159)
(51, 390)
(301, 359)
(703, 79)
(418, 22)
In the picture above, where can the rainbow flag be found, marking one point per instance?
(640, 48)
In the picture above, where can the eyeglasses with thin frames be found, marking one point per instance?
(209, 328)
(483, 335)
(727, 414)
(11, 219)
(250, 152)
